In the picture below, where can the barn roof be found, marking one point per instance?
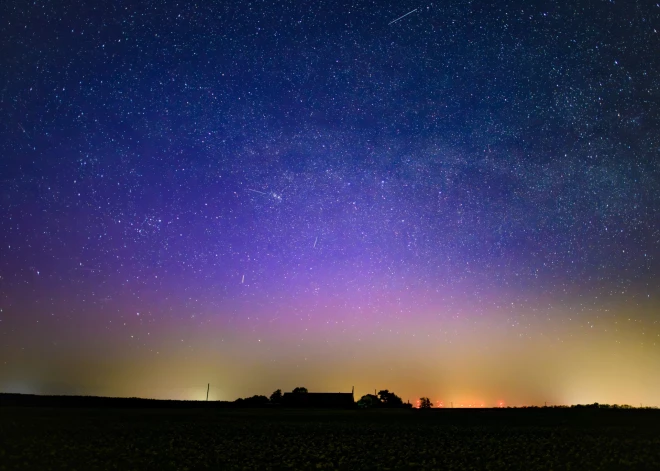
(318, 399)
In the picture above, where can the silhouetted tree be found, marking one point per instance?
(300, 390)
(389, 399)
(276, 397)
(425, 403)
(369, 401)
(254, 401)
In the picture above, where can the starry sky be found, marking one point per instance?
(448, 199)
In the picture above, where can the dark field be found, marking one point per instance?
(36, 438)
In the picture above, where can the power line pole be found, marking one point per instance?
(208, 386)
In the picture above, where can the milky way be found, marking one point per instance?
(456, 200)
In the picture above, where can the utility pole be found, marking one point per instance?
(208, 386)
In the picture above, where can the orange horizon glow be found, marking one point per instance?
(567, 365)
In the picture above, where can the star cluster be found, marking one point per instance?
(462, 203)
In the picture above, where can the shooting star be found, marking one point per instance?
(23, 129)
(317, 239)
(257, 191)
(403, 16)
(243, 279)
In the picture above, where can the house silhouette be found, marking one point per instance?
(319, 400)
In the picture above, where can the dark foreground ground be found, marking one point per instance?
(42, 438)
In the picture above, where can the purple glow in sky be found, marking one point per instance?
(461, 204)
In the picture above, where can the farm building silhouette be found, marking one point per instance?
(321, 400)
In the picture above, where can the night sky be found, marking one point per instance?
(460, 203)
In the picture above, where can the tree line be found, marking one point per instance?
(261, 400)
(383, 400)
